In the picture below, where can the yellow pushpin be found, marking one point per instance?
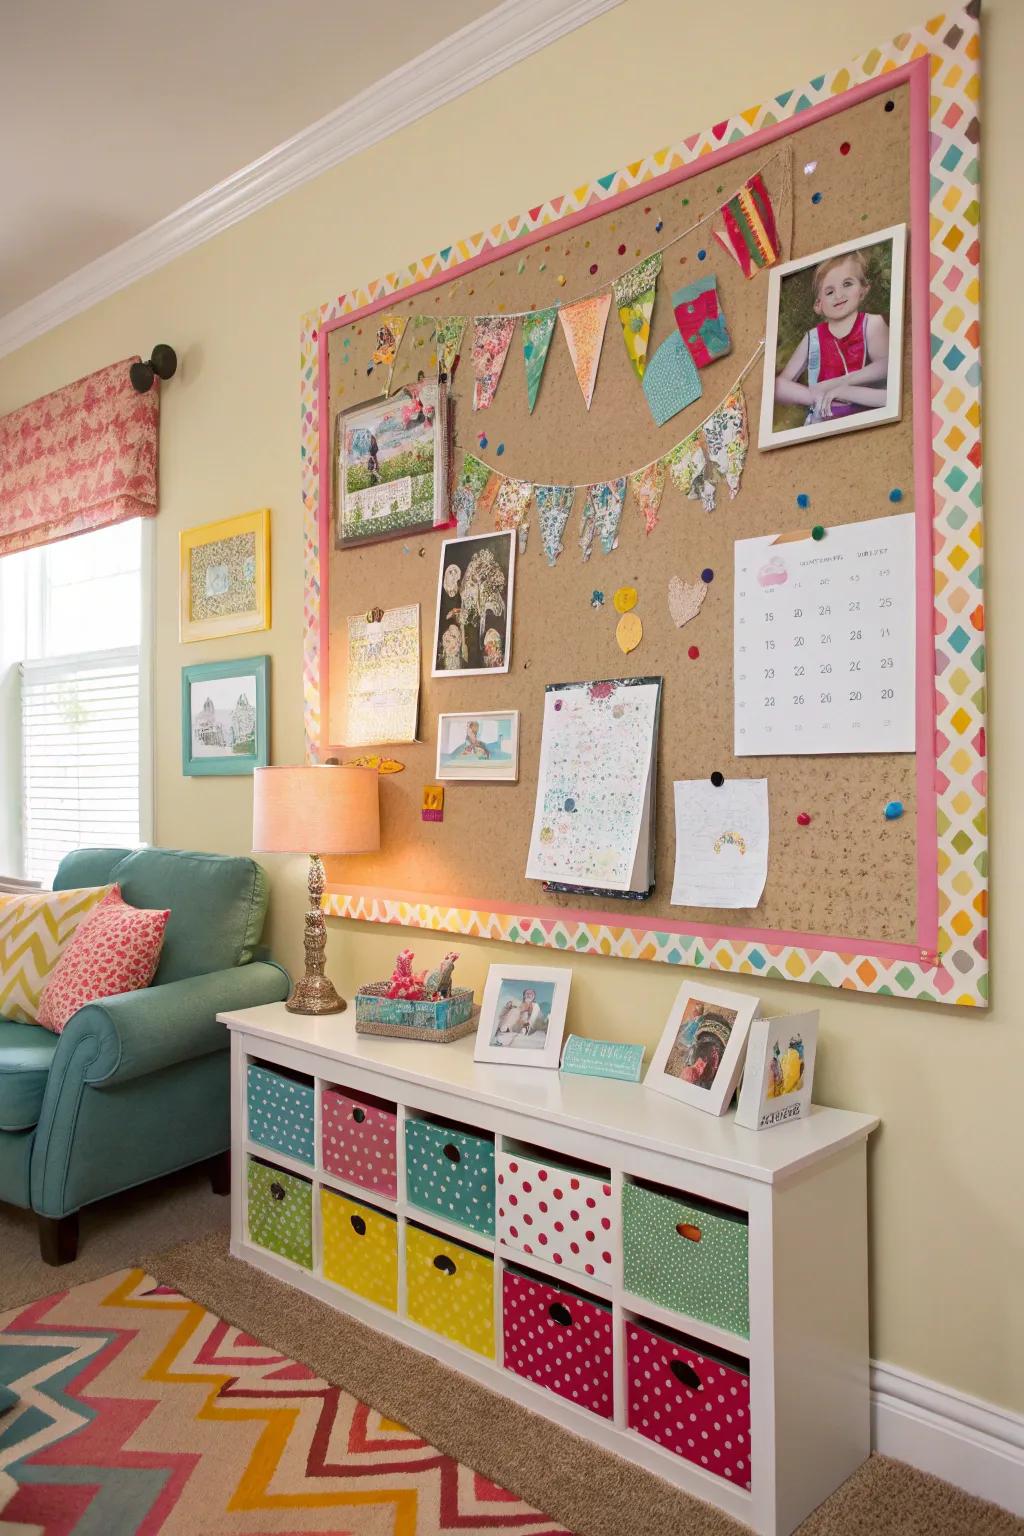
(624, 599)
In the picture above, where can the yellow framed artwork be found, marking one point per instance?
(224, 578)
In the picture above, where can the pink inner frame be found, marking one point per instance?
(915, 75)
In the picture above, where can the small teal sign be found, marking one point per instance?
(602, 1058)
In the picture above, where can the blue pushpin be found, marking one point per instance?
(894, 810)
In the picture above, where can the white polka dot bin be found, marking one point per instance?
(690, 1403)
(687, 1255)
(450, 1172)
(360, 1248)
(280, 1212)
(358, 1137)
(280, 1109)
(558, 1213)
(450, 1289)
(558, 1339)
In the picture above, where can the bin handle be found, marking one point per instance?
(559, 1313)
(358, 1225)
(452, 1153)
(277, 1191)
(689, 1230)
(359, 1115)
(685, 1373)
(445, 1264)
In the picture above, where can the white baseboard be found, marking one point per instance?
(976, 1446)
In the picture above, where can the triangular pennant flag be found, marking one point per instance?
(726, 439)
(634, 300)
(671, 380)
(584, 324)
(448, 338)
(491, 337)
(688, 467)
(390, 331)
(750, 235)
(537, 332)
(554, 503)
(601, 515)
(477, 487)
(648, 487)
(511, 508)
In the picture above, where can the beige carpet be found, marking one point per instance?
(114, 1234)
(592, 1493)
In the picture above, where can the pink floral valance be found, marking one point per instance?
(78, 459)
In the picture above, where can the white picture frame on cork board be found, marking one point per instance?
(700, 1054)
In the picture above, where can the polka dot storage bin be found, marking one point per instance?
(357, 1139)
(450, 1172)
(558, 1339)
(360, 1248)
(687, 1256)
(281, 1212)
(281, 1111)
(558, 1212)
(691, 1403)
(450, 1289)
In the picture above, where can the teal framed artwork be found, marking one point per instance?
(225, 716)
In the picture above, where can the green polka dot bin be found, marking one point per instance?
(451, 1173)
(281, 1212)
(281, 1112)
(686, 1256)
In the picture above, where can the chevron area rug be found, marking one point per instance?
(140, 1412)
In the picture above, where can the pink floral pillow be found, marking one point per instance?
(115, 949)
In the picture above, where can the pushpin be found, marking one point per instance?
(817, 532)
(894, 810)
(717, 779)
(803, 819)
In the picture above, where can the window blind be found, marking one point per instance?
(80, 756)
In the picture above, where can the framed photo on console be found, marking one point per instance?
(522, 1017)
(700, 1054)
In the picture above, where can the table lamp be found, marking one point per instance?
(331, 809)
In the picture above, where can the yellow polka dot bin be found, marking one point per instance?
(360, 1249)
(450, 1290)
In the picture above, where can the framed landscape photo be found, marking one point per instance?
(225, 726)
(522, 1017)
(834, 340)
(700, 1054)
(481, 745)
(224, 579)
(473, 626)
(392, 466)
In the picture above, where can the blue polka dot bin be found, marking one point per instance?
(450, 1173)
(281, 1112)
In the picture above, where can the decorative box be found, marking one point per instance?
(687, 1255)
(360, 1248)
(280, 1107)
(558, 1339)
(692, 1403)
(450, 1172)
(281, 1212)
(443, 1019)
(557, 1211)
(450, 1289)
(358, 1139)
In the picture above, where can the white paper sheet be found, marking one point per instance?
(823, 641)
(383, 681)
(721, 842)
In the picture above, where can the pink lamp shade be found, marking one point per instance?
(315, 809)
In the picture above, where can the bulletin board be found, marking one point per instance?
(850, 899)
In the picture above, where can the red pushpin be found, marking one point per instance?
(803, 819)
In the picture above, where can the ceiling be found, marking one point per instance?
(124, 110)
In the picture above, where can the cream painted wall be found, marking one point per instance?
(946, 1222)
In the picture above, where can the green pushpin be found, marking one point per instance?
(817, 532)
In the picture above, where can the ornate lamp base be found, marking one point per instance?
(315, 993)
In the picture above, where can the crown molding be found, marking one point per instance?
(504, 37)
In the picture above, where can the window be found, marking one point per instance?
(72, 631)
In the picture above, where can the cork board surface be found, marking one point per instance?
(848, 873)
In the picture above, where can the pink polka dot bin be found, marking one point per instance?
(358, 1140)
(564, 1216)
(691, 1404)
(558, 1340)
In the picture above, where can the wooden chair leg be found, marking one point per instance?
(58, 1238)
(220, 1173)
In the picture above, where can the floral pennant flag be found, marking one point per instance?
(389, 338)
(688, 467)
(749, 234)
(554, 503)
(448, 338)
(648, 487)
(634, 300)
(584, 325)
(512, 507)
(478, 486)
(726, 439)
(601, 515)
(538, 329)
(491, 337)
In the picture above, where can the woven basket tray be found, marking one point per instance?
(421, 1032)
(376, 1013)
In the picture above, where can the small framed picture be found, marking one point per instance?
(224, 579)
(700, 1053)
(833, 347)
(473, 628)
(778, 1073)
(480, 745)
(225, 725)
(522, 1017)
(392, 466)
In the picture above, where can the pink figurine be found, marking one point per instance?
(404, 983)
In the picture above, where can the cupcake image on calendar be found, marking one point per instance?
(773, 573)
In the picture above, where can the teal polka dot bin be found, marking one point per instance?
(281, 1112)
(281, 1212)
(451, 1173)
(687, 1256)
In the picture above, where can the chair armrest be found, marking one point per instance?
(140, 1032)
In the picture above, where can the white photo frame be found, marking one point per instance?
(480, 745)
(709, 1026)
(522, 1016)
(470, 623)
(790, 287)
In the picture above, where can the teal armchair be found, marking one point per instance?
(137, 1085)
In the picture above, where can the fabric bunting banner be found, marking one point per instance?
(584, 325)
(538, 330)
(491, 337)
(648, 487)
(448, 340)
(475, 492)
(554, 503)
(601, 515)
(512, 507)
(634, 299)
(750, 236)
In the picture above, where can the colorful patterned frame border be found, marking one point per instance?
(941, 62)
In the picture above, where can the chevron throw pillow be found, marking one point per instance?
(34, 930)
